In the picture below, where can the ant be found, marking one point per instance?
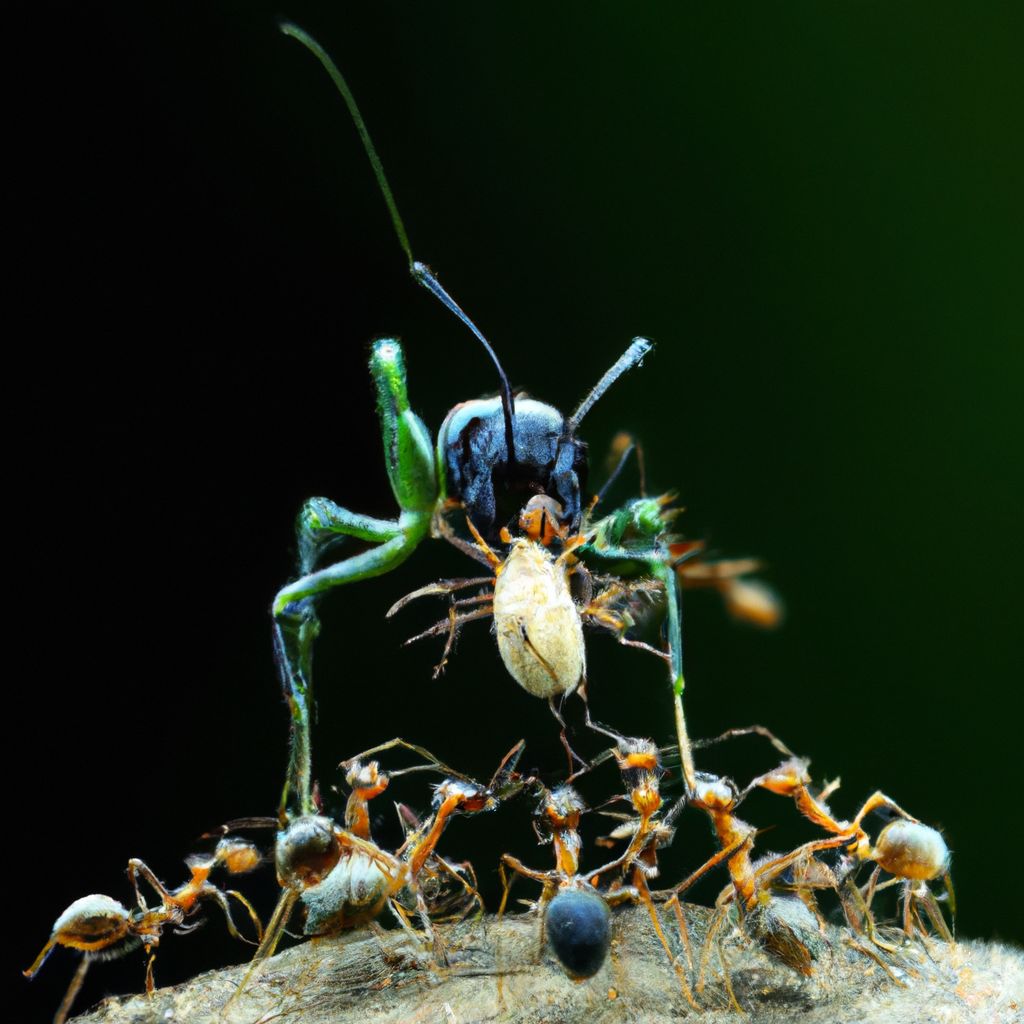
(343, 878)
(103, 928)
(781, 925)
(912, 852)
(574, 913)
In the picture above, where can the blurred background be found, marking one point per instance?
(816, 215)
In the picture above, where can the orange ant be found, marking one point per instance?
(343, 879)
(574, 913)
(103, 928)
(909, 850)
(781, 925)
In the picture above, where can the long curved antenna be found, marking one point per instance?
(630, 358)
(420, 271)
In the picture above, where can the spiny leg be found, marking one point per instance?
(430, 760)
(644, 895)
(138, 868)
(271, 937)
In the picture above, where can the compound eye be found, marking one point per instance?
(578, 925)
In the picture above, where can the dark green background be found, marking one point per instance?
(815, 213)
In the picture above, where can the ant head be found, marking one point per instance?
(541, 520)
(471, 797)
(366, 776)
(716, 794)
(578, 926)
(910, 849)
(640, 764)
(92, 923)
(306, 851)
(560, 809)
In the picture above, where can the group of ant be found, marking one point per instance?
(559, 567)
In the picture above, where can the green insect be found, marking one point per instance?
(489, 457)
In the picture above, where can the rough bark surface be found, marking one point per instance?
(498, 973)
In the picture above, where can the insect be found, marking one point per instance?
(539, 602)
(103, 928)
(912, 852)
(574, 912)
(490, 456)
(343, 879)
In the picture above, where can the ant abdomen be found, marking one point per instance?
(910, 849)
(92, 923)
(786, 928)
(352, 894)
(578, 925)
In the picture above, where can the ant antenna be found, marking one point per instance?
(421, 273)
(630, 358)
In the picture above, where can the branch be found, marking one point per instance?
(497, 973)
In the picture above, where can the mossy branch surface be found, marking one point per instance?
(498, 972)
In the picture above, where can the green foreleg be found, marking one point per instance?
(409, 459)
(296, 627)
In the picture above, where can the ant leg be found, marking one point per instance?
(440, 527)
(445, 625)
(749, 730)
(872, 955)
(622, 447)
(251, 911)
(271, 937)
(73, 989)
(724, 854)
(137, 867)
(211, 892)
(644, 896)
(879, 799)
(727, 978)
(570, 753)
(438, 588)
(451, 625)
(275, 926)
(865, 920)
(41, 959)
(596, 726)
(150, 985)
(402, 917)
(931, 908)
(684, 930)
(705, 956)
(428, 757)
(947, 881)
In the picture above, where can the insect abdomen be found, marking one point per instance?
(540, 637)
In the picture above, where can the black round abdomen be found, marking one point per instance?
(578, 925)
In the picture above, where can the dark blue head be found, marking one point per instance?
(579, 928)
(548, 459)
